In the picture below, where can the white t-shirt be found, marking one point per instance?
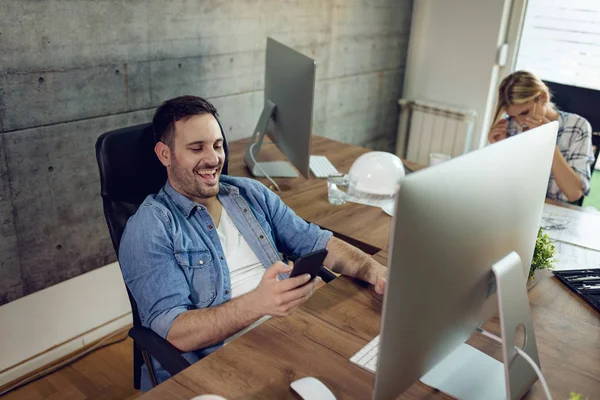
(245, 269)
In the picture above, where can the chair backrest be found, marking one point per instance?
(578, 100)
(130, 171)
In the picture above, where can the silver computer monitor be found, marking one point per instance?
(287, 112)
(452, 223)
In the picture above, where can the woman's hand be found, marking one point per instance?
(498, 131)
(535, 121)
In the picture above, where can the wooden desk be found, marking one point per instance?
(343, 316)
(308, 197)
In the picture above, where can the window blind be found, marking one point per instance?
(561, 41)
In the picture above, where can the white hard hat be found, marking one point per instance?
(376, 173)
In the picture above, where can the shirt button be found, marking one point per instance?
(200, 262)
(226, 291)
(245, 209)
(261, 236)
(210, 227)
(222, 258)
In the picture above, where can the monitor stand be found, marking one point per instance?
(274, 169)
(470, 374)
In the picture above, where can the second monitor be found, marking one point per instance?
(289, 94)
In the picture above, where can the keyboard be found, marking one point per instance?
(321, 167)
(366, 358)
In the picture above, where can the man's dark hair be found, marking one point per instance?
(177, 109)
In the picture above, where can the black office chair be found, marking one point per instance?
(130, 171)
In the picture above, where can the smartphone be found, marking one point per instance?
(309, 264)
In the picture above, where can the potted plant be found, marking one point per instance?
(543, 256)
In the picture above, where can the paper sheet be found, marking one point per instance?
(368, 201)
(571, 226)
(569, 257)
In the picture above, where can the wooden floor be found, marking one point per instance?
(106, 373)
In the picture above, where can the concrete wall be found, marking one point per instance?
(70, 70)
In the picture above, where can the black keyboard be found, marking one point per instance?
(584, 282)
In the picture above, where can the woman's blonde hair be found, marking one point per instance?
(519, 88)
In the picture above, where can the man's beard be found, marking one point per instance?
(192, 185)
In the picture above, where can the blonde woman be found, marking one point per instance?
(524, 103)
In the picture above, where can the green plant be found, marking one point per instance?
(543, 255)
(575, 396)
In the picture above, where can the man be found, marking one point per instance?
(202, 257)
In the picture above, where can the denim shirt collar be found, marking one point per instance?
(186, 206)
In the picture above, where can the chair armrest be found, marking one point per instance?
(165, 353)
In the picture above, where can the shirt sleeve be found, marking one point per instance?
(294, 236)
(150, 270)
(581, 156)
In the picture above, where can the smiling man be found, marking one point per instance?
(202, 257)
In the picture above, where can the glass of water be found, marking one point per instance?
(438, 158)
(337, 189)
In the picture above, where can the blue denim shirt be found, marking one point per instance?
(172, 260)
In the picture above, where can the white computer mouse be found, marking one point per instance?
(208, 397)
(310, 388)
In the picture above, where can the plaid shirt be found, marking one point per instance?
(574, 141)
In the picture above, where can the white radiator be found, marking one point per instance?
(426, 128)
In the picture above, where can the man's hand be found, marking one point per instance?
(380, 286)
(348, 260)
(378, 273)
(281, 298)
(498, 131)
